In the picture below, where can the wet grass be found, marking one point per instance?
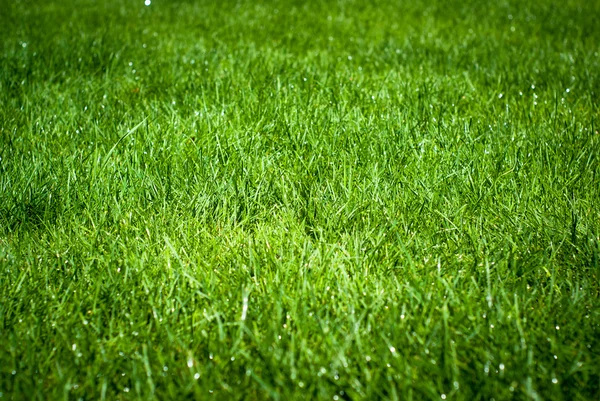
(287, 200)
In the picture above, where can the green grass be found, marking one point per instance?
(299, 200)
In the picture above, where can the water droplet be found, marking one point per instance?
(392, 350)
(126, 389)
(554, 380)
(443, 396)
(500, 96)
(147, 2)
(197, 376)
(190, 362)
(501, 366)
(165, 368)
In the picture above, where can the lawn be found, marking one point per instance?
(328, 200)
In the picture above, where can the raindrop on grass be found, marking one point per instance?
(197, 376)
(554, 380)
(147, 2)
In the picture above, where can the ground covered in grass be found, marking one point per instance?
(299, 200)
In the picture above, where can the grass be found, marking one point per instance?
(299, 200)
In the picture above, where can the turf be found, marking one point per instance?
(286, 200)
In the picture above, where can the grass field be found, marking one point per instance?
(329, 200)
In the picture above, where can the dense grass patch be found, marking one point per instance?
(299, 200)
